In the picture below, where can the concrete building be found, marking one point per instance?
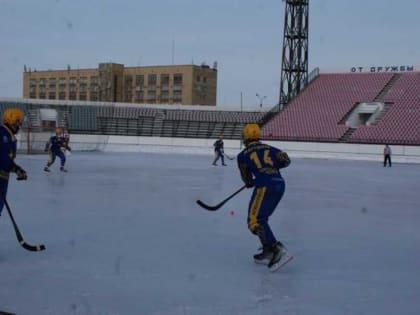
(112, 82)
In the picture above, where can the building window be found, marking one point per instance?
(32, 82)
(94, 80)
(140, 79)
(42, 95)
(62, 95)
(83, 80)
(42, 81)
(152, 79)
(83, 96)
(164, 79)
(72, 96)
(164, 97)
(93, 96)
(140, 97)
(151, 97)
(197, 78)
(178, 78)
(128, 97)
(177, 96)
(62, 81)
(128, 82)
(32, 95)
(51, 95)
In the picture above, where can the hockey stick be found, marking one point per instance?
(229, 157)
(216, 207)
(33, 248)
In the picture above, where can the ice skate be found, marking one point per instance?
(63, 169)
(46, 169)
(264, 257)
(280, 257)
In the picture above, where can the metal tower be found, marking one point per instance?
(294, 67)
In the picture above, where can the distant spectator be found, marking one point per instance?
(387, 156)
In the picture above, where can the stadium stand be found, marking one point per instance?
(401, 122)
(319, 112)
(132, 120)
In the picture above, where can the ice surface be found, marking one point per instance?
(125, 236)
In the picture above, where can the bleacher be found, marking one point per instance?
(318, 113)
(401, 123)
(207, 124)
(136, 120)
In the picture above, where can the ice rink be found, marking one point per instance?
(124, 236)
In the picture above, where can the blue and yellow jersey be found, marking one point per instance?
(259, 164)
(56, 143)
(218, 145)
(7, 152)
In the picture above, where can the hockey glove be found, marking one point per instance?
(249, 184)
(283, 159)
(21, 173)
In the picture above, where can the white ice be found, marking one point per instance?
(124, 235)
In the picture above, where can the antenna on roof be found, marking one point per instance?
(173, 51)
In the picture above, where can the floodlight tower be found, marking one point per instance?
(294, 66)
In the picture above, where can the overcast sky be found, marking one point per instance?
(245, 37)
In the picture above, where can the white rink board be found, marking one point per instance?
(368, 152)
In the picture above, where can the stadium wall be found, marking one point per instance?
(367, 152)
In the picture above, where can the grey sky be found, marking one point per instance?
(243, 36)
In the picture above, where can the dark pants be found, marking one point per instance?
(263, 202)
(3, 191)
(53, 155)
(219, 154)
(387, 158)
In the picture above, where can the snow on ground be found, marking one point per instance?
(125, 236)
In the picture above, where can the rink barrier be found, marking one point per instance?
(367, 152)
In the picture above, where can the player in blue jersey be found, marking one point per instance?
(219, 151)
(55, 147)
(12, 121)
(259, 166)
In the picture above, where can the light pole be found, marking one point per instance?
(261, 99)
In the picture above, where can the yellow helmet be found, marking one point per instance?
(252, 132)
(11, 116)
